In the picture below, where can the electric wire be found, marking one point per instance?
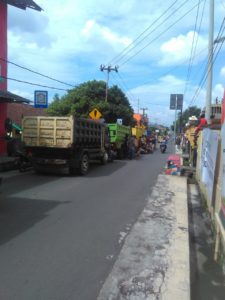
(119, 85)
(176, 68)
(35, 72)
(32, 83)
(158, 36)
(192, 49)
(123, 87)
(198, 31)
(207, 70)
(153, 30)
(222, 3)
(140, 35)
(124, 84)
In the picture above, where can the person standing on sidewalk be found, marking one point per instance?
(177, 142)
(131, 143)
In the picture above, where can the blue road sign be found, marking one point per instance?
(40, 99)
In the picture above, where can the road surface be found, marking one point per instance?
(60, 235)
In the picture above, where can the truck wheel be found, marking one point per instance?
(84, 164)
(104, 158)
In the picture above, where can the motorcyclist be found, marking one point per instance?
(163, 144)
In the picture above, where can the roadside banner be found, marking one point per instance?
(203, 164)
(222, 210)
(210, 141)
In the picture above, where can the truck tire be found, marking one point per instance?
(84, 164)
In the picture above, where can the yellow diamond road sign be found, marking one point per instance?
(95, 114)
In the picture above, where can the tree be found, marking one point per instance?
(189, 112)
(81, 100)
(183, 119)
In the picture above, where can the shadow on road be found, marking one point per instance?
(97, 170)
(18, 215)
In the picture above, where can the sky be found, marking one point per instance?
(151, 42)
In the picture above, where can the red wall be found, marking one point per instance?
(17, 111)
(3, 84)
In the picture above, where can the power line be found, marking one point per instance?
(153, 40)
(122, 80)
(205, 74)
(35, 84)
(198, 31)
(32, 71)
(123, 88)
(222, 3)
(153, 30)
(193, 46)
(140, 35)
(175, 68)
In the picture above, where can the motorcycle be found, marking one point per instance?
(163, 147)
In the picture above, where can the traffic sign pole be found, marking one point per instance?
(175, 125)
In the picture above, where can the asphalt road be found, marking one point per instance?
(60, 235)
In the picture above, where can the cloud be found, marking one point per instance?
(31, 26)
(70, 39)
(217, 92)
(178, 49)
(222, 72)
(92, 30)
(156, 97)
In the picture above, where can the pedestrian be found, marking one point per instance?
(125, 146)
(131, 144)
(202, 123)
(177, 142)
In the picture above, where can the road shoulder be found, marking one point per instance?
(154, 260)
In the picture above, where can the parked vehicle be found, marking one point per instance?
(138, 131)
(64, 142)
(118, 139)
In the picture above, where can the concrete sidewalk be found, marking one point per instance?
(154, 260)
(207, 277)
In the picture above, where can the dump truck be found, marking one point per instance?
(138, 131)
(64, 141)
(118, 135)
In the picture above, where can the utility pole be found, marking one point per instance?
(210, 62)
(144, 115)
(143, 109)
(108, 69)
(175, 123)
(138, 105)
